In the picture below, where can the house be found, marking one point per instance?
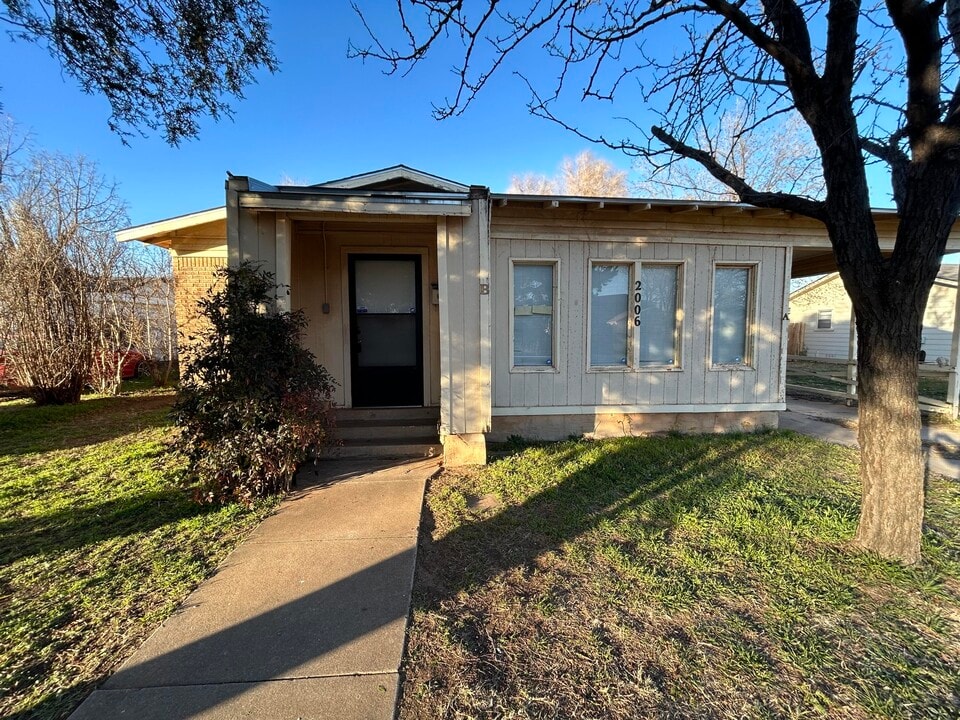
(542, 317)
(824, 309)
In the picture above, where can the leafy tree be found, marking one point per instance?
(253, 403)
(875, 82)
(162, 64)
(585, 175)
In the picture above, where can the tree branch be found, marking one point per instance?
(918, 24)
(783, 201)
(838, 73)
(897, 160)
(791, 52)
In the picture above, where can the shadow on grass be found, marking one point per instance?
(621, 479)
(76, 527)
(26, 429)
(286, 640)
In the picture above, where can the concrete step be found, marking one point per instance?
(386, 414)
(348, 422)
(425, 432)
(383, 449)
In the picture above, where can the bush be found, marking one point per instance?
(253, 403)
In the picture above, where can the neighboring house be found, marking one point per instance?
(824, 309)
(542, 317)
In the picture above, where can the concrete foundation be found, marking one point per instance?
(470, 449)
(561, 427)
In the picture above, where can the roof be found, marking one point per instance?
(398, 178)
(639, 204)
(163, 227)
(402, 190)
(947, 275)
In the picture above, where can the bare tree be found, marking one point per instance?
(533, 184)
(876, 82)
(58, 268)
(585, 175)
(13, 143)
(770, 158)
(161, 64)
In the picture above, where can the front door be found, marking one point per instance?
(386, 330)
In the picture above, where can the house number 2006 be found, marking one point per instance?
(636, 303)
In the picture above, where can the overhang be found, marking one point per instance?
(335, 200)
(151, 231)
(812, 253)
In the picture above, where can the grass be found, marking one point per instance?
(98, 543)
(677, 577)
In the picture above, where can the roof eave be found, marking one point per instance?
(149, 231)
(600, 203)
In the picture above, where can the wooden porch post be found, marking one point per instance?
(283, 263)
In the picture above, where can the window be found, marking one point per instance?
(609, 315)
(732, 302)
(533, 311)
(825, 320)
(659, 319)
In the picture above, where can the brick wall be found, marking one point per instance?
(192, 279)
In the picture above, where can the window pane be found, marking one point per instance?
(609, 314)
(386, 286)
(532, 315)
(658, 314)
(731, 287)
(387, 340)
(825, 319)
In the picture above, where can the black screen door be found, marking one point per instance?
(386, 330)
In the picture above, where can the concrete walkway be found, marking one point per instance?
(837, 423)
(305, 620)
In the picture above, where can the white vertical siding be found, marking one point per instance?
(938, 321)
(571, 383)
(463, 259)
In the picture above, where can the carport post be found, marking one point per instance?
(953, 387)
(852, 357)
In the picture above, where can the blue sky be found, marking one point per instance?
(320, 117)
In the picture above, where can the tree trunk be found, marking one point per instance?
(66, 393)
(891, 464)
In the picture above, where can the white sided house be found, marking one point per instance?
(824, 309)
(496, 314)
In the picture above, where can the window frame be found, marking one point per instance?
(829, 327)
(554, 367)
(633, 351)
(632, 268)
(679, 317)
(750, 341)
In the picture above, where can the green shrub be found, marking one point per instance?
(253, 403)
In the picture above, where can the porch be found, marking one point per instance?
(387, 279)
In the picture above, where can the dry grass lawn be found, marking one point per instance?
(677, 577)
